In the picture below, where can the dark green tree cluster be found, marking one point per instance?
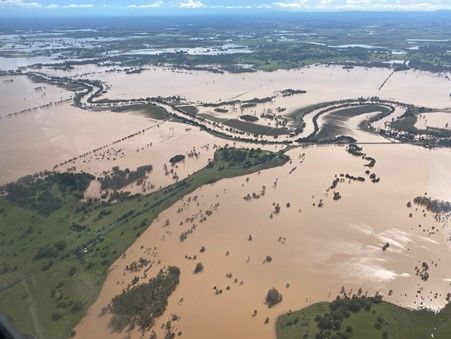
(273, 297)
(433, 205)
(246, 157)
(340, 309)
(120, 178)
(38, 191)
(177, 158)
(142, 304)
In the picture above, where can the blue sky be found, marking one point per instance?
(140, 7)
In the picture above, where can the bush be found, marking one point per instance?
(46, 252)
(60, 245)
(77, 306)
(72, 271)
(56, 315)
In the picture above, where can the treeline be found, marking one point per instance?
(289, 92)
(433, 205)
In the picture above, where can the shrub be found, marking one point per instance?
(56, 315)
(60, 245)
(46, 252)
(77, 306)
(72, 271)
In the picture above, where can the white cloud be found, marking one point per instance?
(26, 4)
(54, 6)
(19, 3)
(294, 4)
(364, 4)
(78, 6)
(191, 4)
(155, 4)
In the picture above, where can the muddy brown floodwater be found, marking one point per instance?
(323, 83)
(40, 139)
(316, 250)
(18, 93)
(316, 244)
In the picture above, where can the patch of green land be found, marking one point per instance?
(255, 129)
(362, 109)
(407, 121)
(153, 111)
(361, 317)
(189, 109)
(53, 262)
(299, 114)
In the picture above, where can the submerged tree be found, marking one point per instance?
(273, 297)
(199, 268)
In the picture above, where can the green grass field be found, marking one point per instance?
(153, 111)
(255, 129)
(383, 320)
(189, 109)
(47, 296)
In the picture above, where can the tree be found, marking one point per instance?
(199, 268)
(273, 297)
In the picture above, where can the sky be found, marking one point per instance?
(158, 7)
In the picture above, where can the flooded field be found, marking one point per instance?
(40, 139)
(314, 250)
(320, 222)
(434, 120)
(322, 83)
(18, 93)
